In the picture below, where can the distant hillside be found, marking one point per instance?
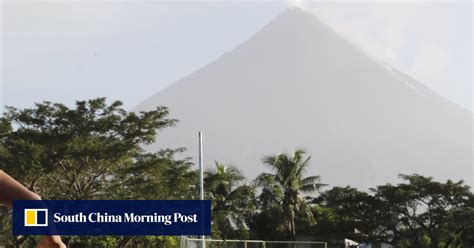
(296, 83)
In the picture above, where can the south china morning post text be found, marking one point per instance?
(112, 217)
(98, 217)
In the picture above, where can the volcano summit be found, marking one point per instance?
(298, 84)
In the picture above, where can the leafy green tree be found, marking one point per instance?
(263, 224)
(93, 151)
(461, 229)
(290, 182)
(417, 213)
(343, 210)
(232, 201)
(66, 153)
(159, 176)
(425, 210)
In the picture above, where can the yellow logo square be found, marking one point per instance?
(30, 217)
(36, 217)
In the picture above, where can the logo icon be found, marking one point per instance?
(36, 217)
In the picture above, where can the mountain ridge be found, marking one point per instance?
(297, 83)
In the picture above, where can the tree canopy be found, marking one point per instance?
(92, 151)
(232, 201)
(284, 188)
(420, 212)
(95, 150)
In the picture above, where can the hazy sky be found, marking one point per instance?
(129, 50)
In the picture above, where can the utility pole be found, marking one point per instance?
(201, 183)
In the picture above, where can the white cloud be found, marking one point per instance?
(378, 28)
(428, 40)
(297, 3)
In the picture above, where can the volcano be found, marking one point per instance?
(298, 84)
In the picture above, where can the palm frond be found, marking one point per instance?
(311, 188)
(265, 179)
(310, 180)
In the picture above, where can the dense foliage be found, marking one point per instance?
(95, 151)
(232, 201)
(282, 192)
(417, 213)
(91, 151)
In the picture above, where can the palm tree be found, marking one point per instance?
(289, 176)
(232, 201)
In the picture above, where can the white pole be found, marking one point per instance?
(201, 179)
